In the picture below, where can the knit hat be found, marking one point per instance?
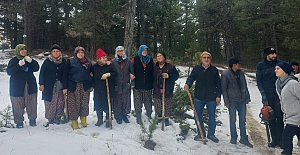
(100, 53)
(206, 53)
(294, 63)
(163, 54)
(18, 49)
(55, 46)
(119, 48)
(269, 50)
(286, 67)
(77, 49)
(233, 60)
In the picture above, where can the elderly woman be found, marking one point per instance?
(77, 84)
(122, 102)
(50, 81)
(23, 87)
(288, 90)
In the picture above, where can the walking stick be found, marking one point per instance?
(66, 107)
(163, 107)
(197, 119)
(109, 105)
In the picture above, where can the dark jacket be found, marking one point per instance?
(266, 77)
(19, 77)
(74, 73)
(49, 74)
(158, 80)
(100, 88)
(208, 83)
(143, 75)
(123, 78)
(232, 92)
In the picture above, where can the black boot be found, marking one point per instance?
(138, 117)
(167, 123)
(233, 139)
(107, 124)
(19, 125)
(273, 144)
(244, 140)
(148, 114)
(125, 119)
(100, 118)
(32, 123)
(57, 120)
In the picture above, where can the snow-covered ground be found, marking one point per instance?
(122, 139)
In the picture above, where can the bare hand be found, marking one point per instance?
(186, 87)
(218, 100)
(132, 87)
(132, 77)
(42, 88)
(227, 106)
(108, 62)
(91, 89)
(65, 91)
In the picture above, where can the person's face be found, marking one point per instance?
(296, 69)
(236, 66)
(206, 59)
(145, 52)
(103, 60)
(23, 51)
(272, 56)
(55, 53)
(80, 54)
(120, 52)
(160, 57)
(279, 72)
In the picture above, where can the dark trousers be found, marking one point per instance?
(287, 138)
(276, 125)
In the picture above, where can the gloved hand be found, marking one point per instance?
(28, 59)
(21, 62)
(263, 99)
(165, 75)
(105, 76)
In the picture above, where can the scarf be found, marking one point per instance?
(56, 61)
(84, 63)
(281, 82)
(120, 58)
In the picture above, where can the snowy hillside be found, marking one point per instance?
(125, 139)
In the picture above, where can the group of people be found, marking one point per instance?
(73, 80)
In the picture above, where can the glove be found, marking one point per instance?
(21, 62)
(105, 76)
(165, 75)
(263, 99)
(28, 59)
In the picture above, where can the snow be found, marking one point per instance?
(122, 139)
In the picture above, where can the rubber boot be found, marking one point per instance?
(100, 118)
(138, 117)
(83, 121)
(148, 114)
(74, 124)
(107, 125)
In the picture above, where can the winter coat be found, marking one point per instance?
(208, 83)
(265, 76)
(74, 73)
(143, 75)
(123, 79)
(158, 80)
(100, 90)
(19, 77)
(49, 74)
(232, 92)
(288, 90)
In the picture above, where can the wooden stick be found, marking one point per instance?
(109, 105)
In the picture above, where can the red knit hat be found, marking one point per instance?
(100, 53)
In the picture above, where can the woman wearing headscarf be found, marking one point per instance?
(23, 87)
(143, 82)
(50, 81)
(122, 101)
(77, 85)
(288, 90)
(101, 71)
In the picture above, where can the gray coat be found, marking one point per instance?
(123, 84)
(288, 91)
(230, 89)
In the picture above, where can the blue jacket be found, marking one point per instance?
(266, 77)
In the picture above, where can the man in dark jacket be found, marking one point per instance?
(207, 92)
(236, 96)
(265, 78)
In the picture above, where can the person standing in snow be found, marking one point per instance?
(50, 81)
(77, 85)
(101, 71)
(163, 70)
(236, 96)
(124, 69)
(266, 78)
(23, 86)
(143, 82)
(207, 92)
(288, 90)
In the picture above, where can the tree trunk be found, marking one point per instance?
(28, 35)
(129, 27)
